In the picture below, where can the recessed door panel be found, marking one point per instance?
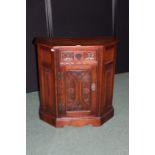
(78, 90)
(80, 97)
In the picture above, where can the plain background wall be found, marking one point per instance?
(122, 33)
(82, 17)
(35, 27)
(76, 18)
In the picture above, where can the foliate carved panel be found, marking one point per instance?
(77, 57)
(78, 84)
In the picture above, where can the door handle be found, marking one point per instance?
(93, 86)
(52, 50)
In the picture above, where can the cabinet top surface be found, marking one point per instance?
(76, 41)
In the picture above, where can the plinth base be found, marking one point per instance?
(77, 121)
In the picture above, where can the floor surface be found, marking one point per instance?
(109, 139)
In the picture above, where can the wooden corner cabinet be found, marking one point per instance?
(76, 77)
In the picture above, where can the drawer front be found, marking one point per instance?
(77, 57)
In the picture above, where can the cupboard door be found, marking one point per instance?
(80, 91)
(77, 81)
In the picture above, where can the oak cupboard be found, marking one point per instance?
(76, 78)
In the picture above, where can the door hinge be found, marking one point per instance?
(61, 107)
(60, 75)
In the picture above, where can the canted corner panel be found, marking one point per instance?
(107, 86)
(108, 55)
(109, 69)
(47, 81)
(47, 90)
(46, 56)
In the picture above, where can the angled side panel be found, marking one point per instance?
(47, 80)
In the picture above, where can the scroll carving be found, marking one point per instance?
(78, 85)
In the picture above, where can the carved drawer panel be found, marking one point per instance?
(69, 57)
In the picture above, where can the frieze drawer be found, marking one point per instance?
(77, 57)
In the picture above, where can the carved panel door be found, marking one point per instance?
(79, 91)
(77, 84)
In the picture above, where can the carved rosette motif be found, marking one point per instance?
(78, 90)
